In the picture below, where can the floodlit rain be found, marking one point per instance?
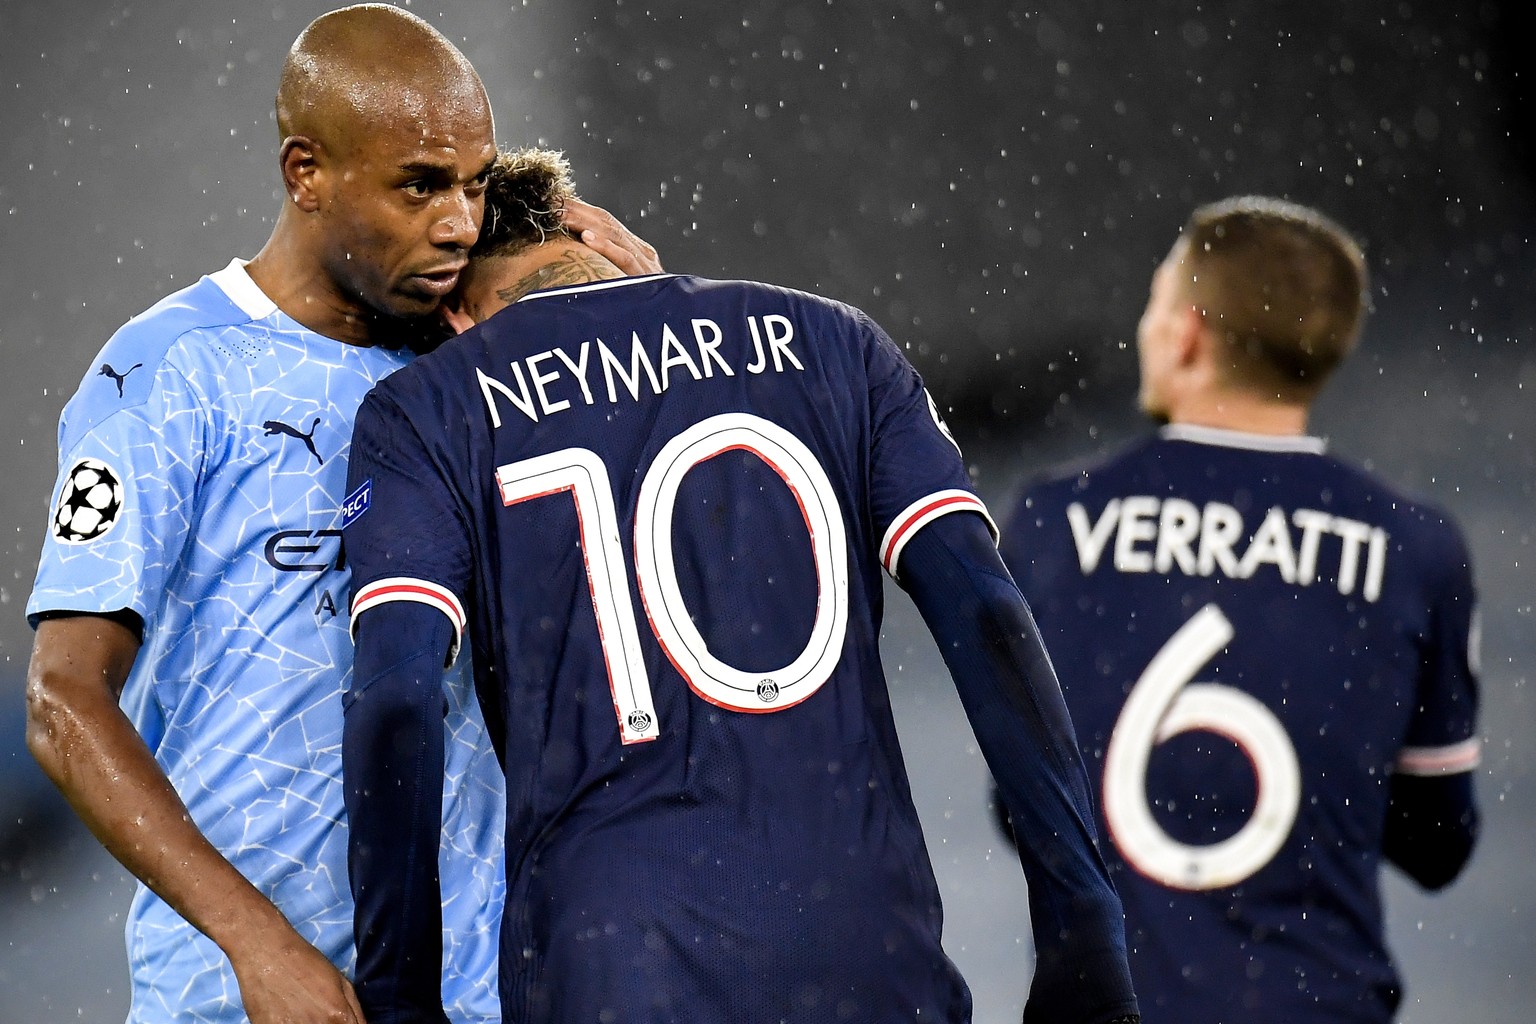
(992, 182)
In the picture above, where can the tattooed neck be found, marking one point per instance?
(573, 267)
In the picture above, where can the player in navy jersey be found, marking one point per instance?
(657, 509)
(191, 643)
(1269, 655)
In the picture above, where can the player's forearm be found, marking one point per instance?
(1432, 826)
(1004, 678)
(1081, 971)
(392, 770)
(89, 749)
(1010, 695)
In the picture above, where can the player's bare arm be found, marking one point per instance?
(91, 751)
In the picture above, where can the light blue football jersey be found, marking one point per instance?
(202, 465)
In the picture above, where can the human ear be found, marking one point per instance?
(1190, 335)
(299, 159)
(456, 318)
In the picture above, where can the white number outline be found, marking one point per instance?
(1164, 703)
(582, 473)
(660, 593)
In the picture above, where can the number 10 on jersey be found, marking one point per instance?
(582, 474)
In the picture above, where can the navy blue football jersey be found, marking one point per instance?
(658, 508)
(1252, 637)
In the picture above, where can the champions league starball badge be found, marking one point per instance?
(90, 502)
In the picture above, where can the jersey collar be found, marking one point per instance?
(595, 286)
(234, 282)
(1241, 439)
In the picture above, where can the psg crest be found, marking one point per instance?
(89, 504)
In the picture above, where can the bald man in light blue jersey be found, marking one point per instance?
(223, 465)
(191, 651)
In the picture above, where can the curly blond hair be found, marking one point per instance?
(524, 201)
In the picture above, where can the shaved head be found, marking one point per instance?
(387, 142)
(367, 67)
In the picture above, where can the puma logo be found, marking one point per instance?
(117, 378)
(274, 427)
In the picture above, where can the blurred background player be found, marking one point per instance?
(191, 646)
(1269, 655)
(657, 509)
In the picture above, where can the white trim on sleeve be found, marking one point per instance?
(922, 512)
(408, 588)
(1447, 760)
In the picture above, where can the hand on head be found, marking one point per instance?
(602, 232)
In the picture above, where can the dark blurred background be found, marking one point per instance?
(993, 182)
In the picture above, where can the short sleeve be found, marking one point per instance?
(124, 500)
(1442, 734)
(917, 472)
(405, 537)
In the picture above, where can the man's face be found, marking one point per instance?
(404, 204)
(1158, 332)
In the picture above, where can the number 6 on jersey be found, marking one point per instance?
(1164, 703)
